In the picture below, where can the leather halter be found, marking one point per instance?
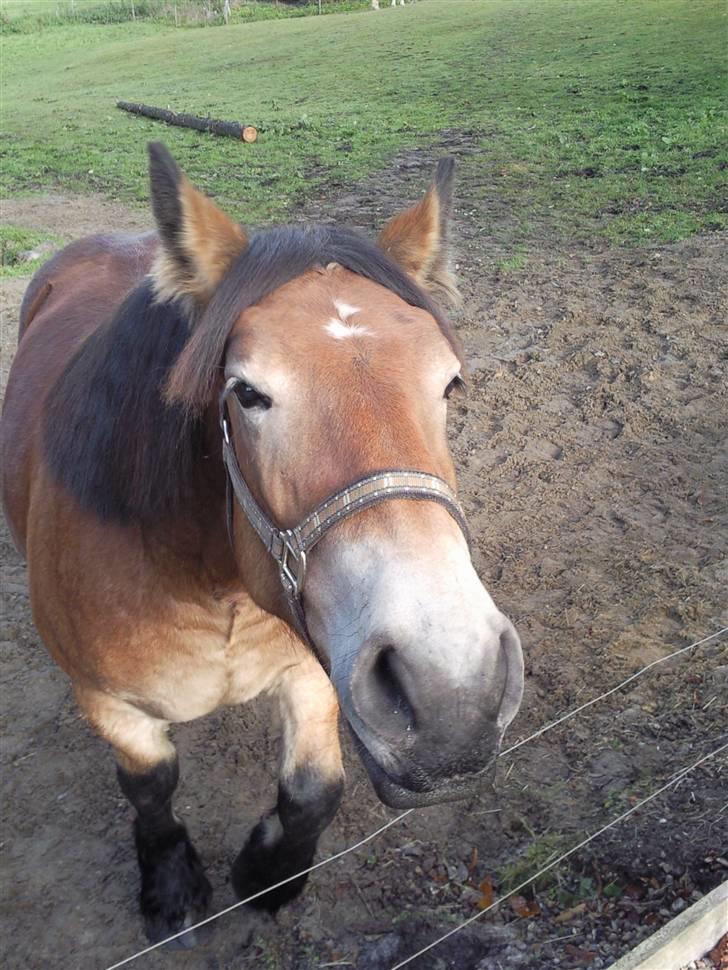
(290, 547)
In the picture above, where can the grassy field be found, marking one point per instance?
(23, 251)
(596, 116)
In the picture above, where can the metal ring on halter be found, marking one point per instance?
(293, 578)
(290, 547)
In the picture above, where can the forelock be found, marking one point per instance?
(273, 258)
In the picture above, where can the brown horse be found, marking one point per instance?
(185, 551)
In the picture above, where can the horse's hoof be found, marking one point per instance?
(253, 874)
(200, 936)
(176, 894)
(194, 938)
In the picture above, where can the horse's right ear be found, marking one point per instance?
(198, 241)
(418, 239)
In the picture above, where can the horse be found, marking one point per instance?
(225, 460)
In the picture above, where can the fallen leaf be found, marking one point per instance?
(719, 953)
(487, 895)
(584, 957)
(569, 914)
(521, 907)
(634, 891)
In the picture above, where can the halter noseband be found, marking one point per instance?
(290, 547)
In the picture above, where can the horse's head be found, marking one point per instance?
(344, 367)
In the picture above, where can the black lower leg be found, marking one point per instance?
(174, 890)
(284, 841)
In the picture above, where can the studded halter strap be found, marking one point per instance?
(290, 547)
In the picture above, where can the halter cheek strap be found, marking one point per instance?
(290, 547)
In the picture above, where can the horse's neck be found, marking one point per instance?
(195, 540)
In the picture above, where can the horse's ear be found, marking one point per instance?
(198, 241)
(417, 239)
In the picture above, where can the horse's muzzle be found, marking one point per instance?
(428, 732)
(430, 791)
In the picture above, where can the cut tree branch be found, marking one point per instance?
(230, 129)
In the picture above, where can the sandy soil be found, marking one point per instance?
(593, 465)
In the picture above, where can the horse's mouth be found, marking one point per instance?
(429, 792)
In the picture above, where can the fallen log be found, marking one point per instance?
(230, 129)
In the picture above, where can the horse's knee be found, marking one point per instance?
(308, 801)
(150, 791)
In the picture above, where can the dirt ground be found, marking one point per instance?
(593, 464)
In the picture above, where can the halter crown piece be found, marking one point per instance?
(290, 547)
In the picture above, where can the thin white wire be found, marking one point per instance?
(242, 902)
(562, 858)
(583, 707)
(398, 818)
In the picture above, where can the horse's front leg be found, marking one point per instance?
(174, 890)
(309, 791)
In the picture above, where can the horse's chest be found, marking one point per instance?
(236, 652)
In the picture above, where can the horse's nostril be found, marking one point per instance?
(513, 688)
(388, 683)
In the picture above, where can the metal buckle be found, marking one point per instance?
(293, 578)
(224, 419)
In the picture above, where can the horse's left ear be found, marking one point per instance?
(198, 241)
(417, 239)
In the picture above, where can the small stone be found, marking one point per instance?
(631, 715)
(717, 649)
(542, 450)
(458, 873)
(719, 677)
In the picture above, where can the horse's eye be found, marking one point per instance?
(250, 398)
(456, 385)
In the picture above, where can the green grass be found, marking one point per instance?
(15, 244)
(586, 117)
(516, 261)
(542, 850)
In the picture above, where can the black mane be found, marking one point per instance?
(113, 438)
(110, 439)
